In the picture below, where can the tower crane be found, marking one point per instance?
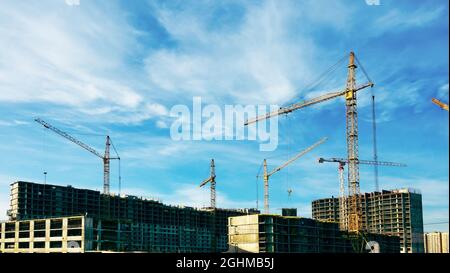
(440, 103)
(267, 174)
(212, 180)
(343, 218)
(352, 132)
(105, 158)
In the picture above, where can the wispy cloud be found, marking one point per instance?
(443, 91)
(250, 65)
(62, 60)
(397, 19)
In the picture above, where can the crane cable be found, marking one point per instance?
(363, 70)
(288, 157)
(322, 77)
(257, 188)
(374, 126)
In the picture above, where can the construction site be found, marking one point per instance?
(266, 233)
(396, 212)
(118, 223)
(52, 218)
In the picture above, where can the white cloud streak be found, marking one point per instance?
(70, 60)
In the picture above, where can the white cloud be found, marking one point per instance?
(73, 59)
(259, 62)
(72, 2)
(161, 124)
(13, 122)
(443, 92)
(397, 19)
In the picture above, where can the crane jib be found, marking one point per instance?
(299, 105)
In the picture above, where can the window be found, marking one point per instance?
(9, 245)
(39, 245)
(74, 232)
(56, 233)
(56, 244)
(39, 225)
(72, 223)
(39, 233)
(24, 234)
(24, 225)
(24, 244)
(55, 224)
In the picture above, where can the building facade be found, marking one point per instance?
(132, 223)
(395, 212)
(60, 235)
(265, 233)
(436, 242)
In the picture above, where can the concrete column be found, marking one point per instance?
(2, 238)
(64, 235)
(31, 246)
(83, 233)
(16, 236)
(47, 235)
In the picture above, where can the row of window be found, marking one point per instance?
(53, 244)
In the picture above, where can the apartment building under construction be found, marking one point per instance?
(267, 233)
(394, 212)
(122, 223)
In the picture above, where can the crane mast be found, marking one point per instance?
(106, 166)
(212, 180)
(351, 133)
(352, 147)
(106, 158)
(343, 221)
(344, 215)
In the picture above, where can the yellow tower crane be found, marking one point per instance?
(105, 158)
(267, 174)
(352, 133)
(440, 103)
(343, 215)
(212, 180)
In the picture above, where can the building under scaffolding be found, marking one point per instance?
(395, 212)
(123, 223)
(266, 233)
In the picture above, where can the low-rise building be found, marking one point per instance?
(436, 242)
(266, 233)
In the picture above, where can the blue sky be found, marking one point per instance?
(117, 68)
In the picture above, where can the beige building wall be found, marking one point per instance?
(243, 233)
(61, 235)
(436, 242)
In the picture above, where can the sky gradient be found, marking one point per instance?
(93, 68)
